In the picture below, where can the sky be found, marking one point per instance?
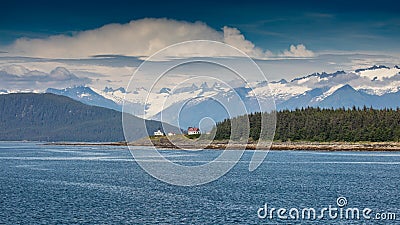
(287, 39)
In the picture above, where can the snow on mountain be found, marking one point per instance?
(379, 73)
(309, 90)
(116, 96)
(376, 80)
(86, 95)
(13, 91)
(327, 93)
(207, 103)
(280, 91)
(154, 102)
(157, 102)
(377, 86)
(348, 97)
(2, 92)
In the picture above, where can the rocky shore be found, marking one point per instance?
(221, 145)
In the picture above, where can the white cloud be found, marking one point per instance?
(17, 77)
(140, 38)
(232, 36)
(137, 38)
(298, 51)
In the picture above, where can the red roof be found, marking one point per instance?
(193, 129)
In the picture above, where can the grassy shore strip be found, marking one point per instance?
(317, 146)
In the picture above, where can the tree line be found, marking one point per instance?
(324, 125)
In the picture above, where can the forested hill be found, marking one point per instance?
(49, 117)
(315, 124)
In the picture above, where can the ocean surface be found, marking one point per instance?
(42, 184)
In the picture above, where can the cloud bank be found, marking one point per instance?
(16, 77)
(139, 38)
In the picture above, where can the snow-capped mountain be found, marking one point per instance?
(377, 80)
(377, 86)
(86, 95)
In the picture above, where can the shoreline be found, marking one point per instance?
(276, 146)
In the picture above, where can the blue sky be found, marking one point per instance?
(287, 38)
(274, 25)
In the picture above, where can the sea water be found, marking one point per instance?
(41, 184)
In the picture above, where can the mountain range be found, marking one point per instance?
(376, 86)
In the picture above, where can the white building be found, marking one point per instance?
(193, 130)
(158, 133)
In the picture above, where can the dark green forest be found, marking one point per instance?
(49, 117)
(325, 125)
